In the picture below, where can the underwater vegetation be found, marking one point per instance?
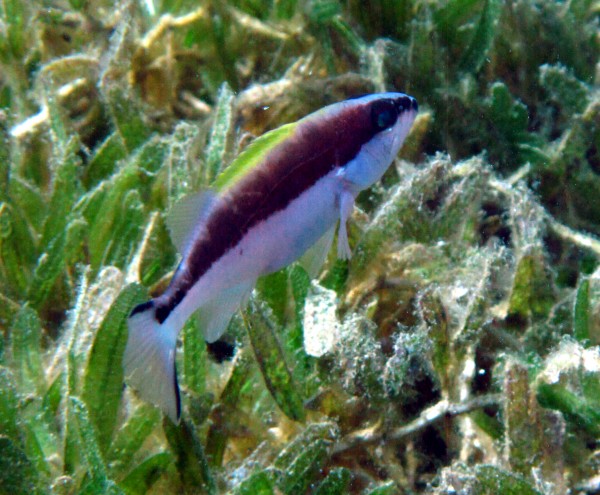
(457, 352)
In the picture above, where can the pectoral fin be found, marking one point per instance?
(346, 207)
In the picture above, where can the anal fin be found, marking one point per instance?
(216, 313)
(314, 258)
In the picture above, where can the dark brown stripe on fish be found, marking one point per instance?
(316, 148)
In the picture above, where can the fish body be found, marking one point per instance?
(280, 200)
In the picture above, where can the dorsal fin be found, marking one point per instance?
(252, 156)
(187, 215)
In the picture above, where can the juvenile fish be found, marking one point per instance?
(279, 200)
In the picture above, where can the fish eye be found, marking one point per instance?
(405, 103)
(383, 114)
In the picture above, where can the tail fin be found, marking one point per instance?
(149, 360)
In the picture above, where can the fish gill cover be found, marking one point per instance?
(456, 352)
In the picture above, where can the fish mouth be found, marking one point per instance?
(404, 125)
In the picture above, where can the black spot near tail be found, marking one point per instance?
(221, 350)
(140, 308)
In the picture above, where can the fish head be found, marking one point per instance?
(389, 117)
